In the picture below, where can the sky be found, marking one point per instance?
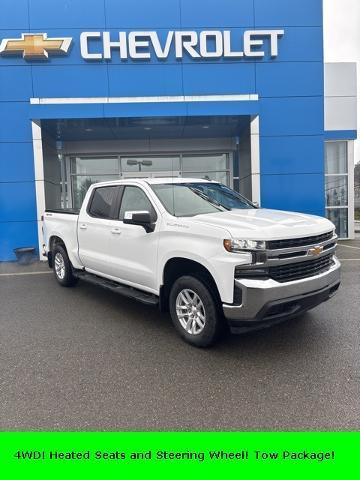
(342, 39)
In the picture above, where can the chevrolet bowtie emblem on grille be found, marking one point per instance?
(34, 45)
(315, 251)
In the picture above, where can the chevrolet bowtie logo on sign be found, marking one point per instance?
(35, 46)
(315, 251)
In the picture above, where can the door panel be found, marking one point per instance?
(94, 229)
(132, 250)
(133, 253)
(94, 237)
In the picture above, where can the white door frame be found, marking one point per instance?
(39, 183)
(255, 160)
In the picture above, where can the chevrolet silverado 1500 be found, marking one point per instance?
(198, 249)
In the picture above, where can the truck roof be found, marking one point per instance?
(157, 181)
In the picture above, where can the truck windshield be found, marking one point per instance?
(190, 199)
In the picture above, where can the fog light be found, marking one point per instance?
(251, 272)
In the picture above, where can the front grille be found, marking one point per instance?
(300, 270)
(298, 242)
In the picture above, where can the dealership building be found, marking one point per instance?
(232, 90)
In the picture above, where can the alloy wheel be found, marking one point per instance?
(59, 266)
(190, 311)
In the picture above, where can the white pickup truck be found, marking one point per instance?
(198, 249)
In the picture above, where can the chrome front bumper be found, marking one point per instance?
(268, 301)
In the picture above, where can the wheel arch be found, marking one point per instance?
(53, 241)
(177, 267)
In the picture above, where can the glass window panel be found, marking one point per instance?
(103, 201)
(222, 195)
(222, 177)
(80, 185)
(94, 166)
(134, 200)
(336, 157)
(182, 201)
(339, 217)
(204, 163)
(150, 164)
(336, 190)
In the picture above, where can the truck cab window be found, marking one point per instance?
(133, 200)
(103, 201)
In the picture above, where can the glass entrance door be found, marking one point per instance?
(150, 164)
(86, 170)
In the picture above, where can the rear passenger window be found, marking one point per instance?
(103, 201)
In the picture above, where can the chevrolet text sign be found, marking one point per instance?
(138, 45)
(206, 44)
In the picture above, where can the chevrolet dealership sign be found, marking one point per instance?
(138, 45)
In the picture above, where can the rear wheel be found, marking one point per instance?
(195, 311)
(62, 267)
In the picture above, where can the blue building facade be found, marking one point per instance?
(272, 91)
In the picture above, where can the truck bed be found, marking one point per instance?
(62, 223)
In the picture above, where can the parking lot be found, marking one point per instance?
(88, 359)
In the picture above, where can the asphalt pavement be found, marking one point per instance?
(88, 359)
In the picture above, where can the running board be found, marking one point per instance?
(124, 290)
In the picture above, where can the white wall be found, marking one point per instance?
(244, 151)
(342, 39)
(340, 96)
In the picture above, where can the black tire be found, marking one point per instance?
(65, 277)
(213, 319)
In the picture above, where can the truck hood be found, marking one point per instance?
(265, 224)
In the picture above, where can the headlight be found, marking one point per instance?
(236, 246)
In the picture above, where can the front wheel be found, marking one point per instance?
(194, 311)
(62, 267)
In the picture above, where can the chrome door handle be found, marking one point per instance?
(116, 231)
(83, 226)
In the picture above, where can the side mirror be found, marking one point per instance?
(256, 204)
(142, 219)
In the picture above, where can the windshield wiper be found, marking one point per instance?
(209, 199)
